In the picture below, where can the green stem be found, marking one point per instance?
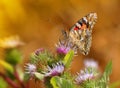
(18, 78)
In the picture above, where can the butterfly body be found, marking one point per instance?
(80, 34)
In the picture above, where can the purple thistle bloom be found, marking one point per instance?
(83, 76)
(63, 47)
(38, 51)
(55, 70)
(30, 69)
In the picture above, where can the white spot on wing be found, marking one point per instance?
(85, 19)
(78, 25)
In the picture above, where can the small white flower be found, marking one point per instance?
(91, 63)
(30, 69)
(83, 76)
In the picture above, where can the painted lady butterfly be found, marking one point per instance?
(81, 33)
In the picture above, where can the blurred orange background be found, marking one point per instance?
(39, 24)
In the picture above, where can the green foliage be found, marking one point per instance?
(58, 82)
(98, 82)
(10, 75)
(54, 82)
(47, 82)
(89, 84)
(43, 57)
(104, 80)
(8, 67)
(68, 59)
(39, 75)
(108, 69)
(67, 75)
(13, 56)
(33, 59)
(3, 83)
(65, 79)
(26, 77)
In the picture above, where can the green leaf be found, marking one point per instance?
(103, 82)
(33, 58)
(89, 84)
(47, 82)
(107, 72)
(53, 81)
(20, 72)
(58, 82)
(26, 77)
(39, 75)
(13, 56)
(3, 84)
(68, 58)
(7, 66)
(108, 69)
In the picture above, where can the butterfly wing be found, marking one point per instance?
(81, 33)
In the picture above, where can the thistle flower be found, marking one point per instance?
(38, 51)
(90, 63)
(84, 75)
(30, 69)
(10, 42)
(63, 47)
(56, 69)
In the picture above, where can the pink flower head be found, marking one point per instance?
(38, 51)
(56, 69)
(63, 47)
(83, 76)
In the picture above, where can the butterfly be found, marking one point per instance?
(80, 34)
